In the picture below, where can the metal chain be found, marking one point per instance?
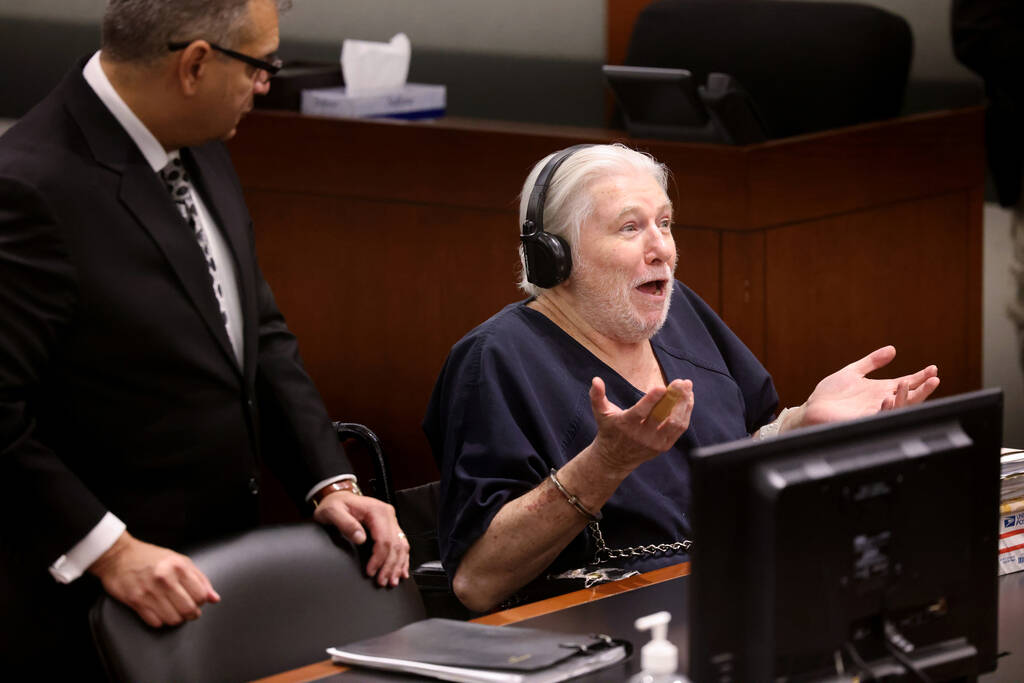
(603, 553)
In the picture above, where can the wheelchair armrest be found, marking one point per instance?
(382, 488)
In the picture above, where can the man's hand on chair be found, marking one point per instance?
(162, 586)
(351, 513)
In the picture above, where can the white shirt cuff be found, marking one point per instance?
(329, 480)
(73, 564)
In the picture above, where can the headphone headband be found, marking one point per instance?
(548, 257)
(535, 207)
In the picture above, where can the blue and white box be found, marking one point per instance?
(1011, 536)
(411, 101)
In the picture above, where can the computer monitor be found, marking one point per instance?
(867, 546)
(660, 103)
(668, 104)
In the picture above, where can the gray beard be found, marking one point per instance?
(604, 303)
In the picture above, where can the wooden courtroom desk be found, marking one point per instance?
(611, 608)
(385, 242)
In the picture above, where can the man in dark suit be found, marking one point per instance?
(143, 359)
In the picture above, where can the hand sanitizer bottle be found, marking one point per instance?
(658, 658)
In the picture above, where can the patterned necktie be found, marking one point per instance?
(180, 187)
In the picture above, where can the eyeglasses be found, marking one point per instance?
(271, 68)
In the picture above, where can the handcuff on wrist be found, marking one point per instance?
(573, 500)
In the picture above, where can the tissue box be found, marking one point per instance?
(1011, 536)
(411, 101)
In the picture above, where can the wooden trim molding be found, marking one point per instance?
(620, 15)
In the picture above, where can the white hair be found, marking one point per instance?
(568, 204)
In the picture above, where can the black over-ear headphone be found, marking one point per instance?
(548, 257)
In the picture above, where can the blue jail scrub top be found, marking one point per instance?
(513, 401)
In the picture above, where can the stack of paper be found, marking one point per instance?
(1011, 510)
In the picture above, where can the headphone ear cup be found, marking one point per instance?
(548, 259)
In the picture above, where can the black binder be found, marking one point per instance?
(461, 651)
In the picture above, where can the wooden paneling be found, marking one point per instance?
(708, 183)
(868, 165)
(385, 242)
(840, 287)
(973, 252)
(699, 263)
(444, 164)
(742, 287)
(621, 15)
(377, 293)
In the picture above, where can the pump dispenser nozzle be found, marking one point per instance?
(659, 656)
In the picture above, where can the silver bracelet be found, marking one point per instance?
(573, 500)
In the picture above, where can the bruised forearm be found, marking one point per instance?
(529, 532)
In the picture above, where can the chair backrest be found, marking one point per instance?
(807, 66)
(417, 513)
(287, 593)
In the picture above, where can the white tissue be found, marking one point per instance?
(371, 67)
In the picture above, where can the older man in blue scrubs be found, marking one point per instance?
(557, 449)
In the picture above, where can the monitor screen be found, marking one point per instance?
(668, 104)
(867, 547)
(660, 103)
(653, 95)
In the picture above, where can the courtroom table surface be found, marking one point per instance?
(611, 608)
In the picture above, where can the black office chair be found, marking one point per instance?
(287, 593)
(807, 66)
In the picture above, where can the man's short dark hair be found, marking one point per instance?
(139, 30)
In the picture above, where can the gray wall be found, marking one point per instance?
(572, 29)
